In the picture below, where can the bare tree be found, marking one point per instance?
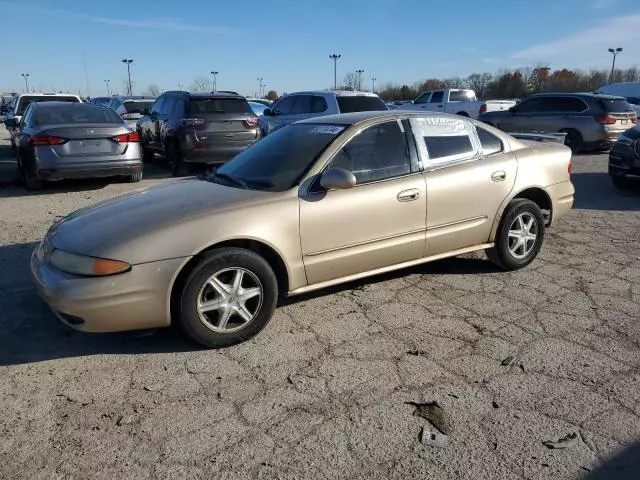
(350, 81)
(201, 84)
(479, 83)
(153, 90)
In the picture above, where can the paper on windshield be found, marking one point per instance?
(328, 129)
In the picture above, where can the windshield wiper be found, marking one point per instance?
(231, 179)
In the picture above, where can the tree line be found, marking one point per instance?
(515, 83)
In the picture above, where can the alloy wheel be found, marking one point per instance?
(523, 235)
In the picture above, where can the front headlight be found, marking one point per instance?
(86, 266)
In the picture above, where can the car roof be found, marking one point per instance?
(204, 94)
(357, 117)
(335, 93)
(54, 104)
(132, 97)
(577, 94)
(36, 94)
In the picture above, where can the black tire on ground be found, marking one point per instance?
(462, 114)
(501, 254)
(135, 178)
(30, 182)
(174, 157)
(573, 140)
(621, 182)
(225, 262)
(147, 155)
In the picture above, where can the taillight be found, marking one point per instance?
(47, 140)
(251, 122)
(127, 138)
(570, 167)
(483, 108)
(605, 119)
(192, 122)
(634, 119)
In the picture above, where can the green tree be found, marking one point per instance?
(272, 95)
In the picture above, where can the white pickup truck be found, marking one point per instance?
(460, 101)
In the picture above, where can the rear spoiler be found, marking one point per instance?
(540, 137)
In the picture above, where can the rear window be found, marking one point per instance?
(450, 146)
(204, 106)
(462, 96)
(616, 106)
(27, 99)
(84, 113)
(137, 106)
(353, 103)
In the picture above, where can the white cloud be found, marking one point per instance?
(604, 4)
(468, 49)
(589, 47)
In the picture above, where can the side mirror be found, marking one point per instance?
(337, 178)
(267, 112)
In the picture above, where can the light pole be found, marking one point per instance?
(614, 52)
(26, 80)
(373, 84)
(213, 83)
(261, 85)
(359, 72)
(335, 57)
(180, 86)
(128, 61)
(108, 89)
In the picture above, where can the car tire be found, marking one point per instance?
(509, 253)
(31, 183)
(147, 155)
(174, 158)
(135, 178)
(462, 114)
(222, 266)
(573, 140)
(620, 182)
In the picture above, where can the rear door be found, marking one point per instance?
(519, 118)
(282, 110)
(228, 120)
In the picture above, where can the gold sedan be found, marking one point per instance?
(317, 203)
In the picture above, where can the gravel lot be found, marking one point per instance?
(328, 390)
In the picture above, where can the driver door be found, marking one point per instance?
(379, 222)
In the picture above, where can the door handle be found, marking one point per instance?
(408, 195)
(498, 176)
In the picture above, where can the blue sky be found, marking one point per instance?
(288, 42)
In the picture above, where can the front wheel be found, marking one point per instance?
(573, 140)
(174, 157)
(519, 236)
(227, 298)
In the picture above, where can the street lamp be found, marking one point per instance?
(335, 57)
(180, 86)
(128, 61)
(26, 80)
(108, 90)
(260, 85)
(213, 83)
(360, 72)
(373, 84)
(614, 52)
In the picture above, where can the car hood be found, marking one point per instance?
(108, 227)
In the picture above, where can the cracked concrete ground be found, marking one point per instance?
(322, 392)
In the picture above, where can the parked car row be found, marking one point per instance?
(460, 101)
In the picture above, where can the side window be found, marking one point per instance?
(157, 105)
(167, 107)
(446, 148)
(489, 142)
(285, 106)
(26, 120)
(527, 106)
(633, 100)
(302, 105)
(424, 98)
(378, 153)
(437, 97)
(318, 105)
(561, 105)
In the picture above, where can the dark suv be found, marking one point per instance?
(590, 121)
(195, 128)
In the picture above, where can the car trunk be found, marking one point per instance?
(84, 141)
(227, 120)
(619, 115)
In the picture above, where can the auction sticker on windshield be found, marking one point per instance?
(328, 129)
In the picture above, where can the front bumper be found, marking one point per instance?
(93, 169)
(624, 159)
(138, 299)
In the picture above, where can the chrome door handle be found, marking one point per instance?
(408, 195)
(498, 176)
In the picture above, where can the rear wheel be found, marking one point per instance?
(519, 236)
(30, 181)
(174, 157)
(462, 114)
(573, 140)
(227, 298)
(135, 178)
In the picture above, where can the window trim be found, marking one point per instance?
(414, 157)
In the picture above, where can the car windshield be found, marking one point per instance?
(137, 106)
(204, 106)
(280, 160)
(27, 99)
(360, 103)
(70, 114)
